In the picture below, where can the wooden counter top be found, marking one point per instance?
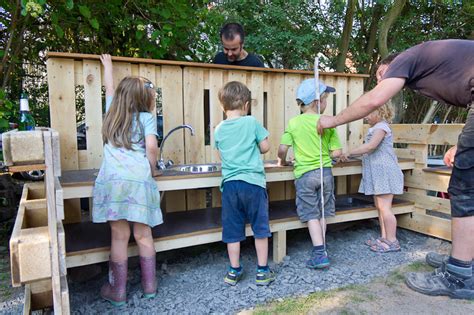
(78, 184)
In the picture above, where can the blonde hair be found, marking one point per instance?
(234, 95)
(132, 96)
(385, 112)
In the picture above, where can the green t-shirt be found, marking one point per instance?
(302, 136)
(237, 141)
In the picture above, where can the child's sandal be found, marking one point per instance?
(392, 246)
(373, 241)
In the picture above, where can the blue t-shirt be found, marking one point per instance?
(237, 141)
(148, 127)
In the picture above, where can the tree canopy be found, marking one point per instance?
(347, 35)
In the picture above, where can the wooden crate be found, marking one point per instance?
(29, 242)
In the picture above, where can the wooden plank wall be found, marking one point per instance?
(184, 91)
(432, 214)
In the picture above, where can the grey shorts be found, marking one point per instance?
(308, 195)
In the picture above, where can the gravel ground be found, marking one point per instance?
(190, 281)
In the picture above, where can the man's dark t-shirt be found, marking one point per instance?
(250, 61)
(442, 70)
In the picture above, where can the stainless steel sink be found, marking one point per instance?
(197, 168)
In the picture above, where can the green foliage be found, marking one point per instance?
(287, 34)
(7, 111)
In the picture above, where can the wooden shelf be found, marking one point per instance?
(88, 242)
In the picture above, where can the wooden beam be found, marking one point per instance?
(57, 55)
(52, 223)
(426, 224)
(443, 134)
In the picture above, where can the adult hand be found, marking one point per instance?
(449, 156)
(325, 122)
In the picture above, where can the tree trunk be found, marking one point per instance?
(387, 23)
(385, 26)
(5, 62)
(346, 35)
(430, 113)
(372, 37)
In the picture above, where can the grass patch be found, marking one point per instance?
(418, 266)
(354, 294)
(295, 305)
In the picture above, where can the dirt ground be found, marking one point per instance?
(387, 295)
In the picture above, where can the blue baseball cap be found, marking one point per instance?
(307, 90)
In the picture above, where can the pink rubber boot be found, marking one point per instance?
(148, 270)
(115, 290)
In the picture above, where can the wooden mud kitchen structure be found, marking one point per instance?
(52, 234)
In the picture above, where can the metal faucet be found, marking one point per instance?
(161, 163)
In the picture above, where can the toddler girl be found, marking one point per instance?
(381, 176)
(125, 191)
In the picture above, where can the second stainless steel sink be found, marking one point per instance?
(197, 168)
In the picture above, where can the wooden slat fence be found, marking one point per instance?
(432, 213)
(189, 96)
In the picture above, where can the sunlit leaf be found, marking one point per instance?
(69, 4)
(94, 23)
(85, 11)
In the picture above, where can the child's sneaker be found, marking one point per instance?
(233, 276)
(318, 261)
(264, 277)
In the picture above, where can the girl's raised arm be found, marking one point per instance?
(106, 60)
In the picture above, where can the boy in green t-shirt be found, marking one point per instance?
(302, 136)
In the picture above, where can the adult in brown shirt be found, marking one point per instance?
(442, 70)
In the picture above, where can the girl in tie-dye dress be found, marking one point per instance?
(125, 191)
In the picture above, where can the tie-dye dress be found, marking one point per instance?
(124, 188)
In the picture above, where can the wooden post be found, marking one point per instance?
(279, 246)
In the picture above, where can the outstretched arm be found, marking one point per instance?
(364, 105)
(368, 147)
(106, 60)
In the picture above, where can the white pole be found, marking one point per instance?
(321, 173)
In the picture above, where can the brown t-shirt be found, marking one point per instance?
(442, 70)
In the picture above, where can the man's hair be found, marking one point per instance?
(234, 95)
(230, 30)
(387, 60)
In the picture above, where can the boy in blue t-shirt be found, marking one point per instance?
(240, 140)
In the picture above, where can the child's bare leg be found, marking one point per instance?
(316, 232)
(389, 221)
(120, 237)
(383, 233)
(261, 246)
(144, 239)
(234, 254)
